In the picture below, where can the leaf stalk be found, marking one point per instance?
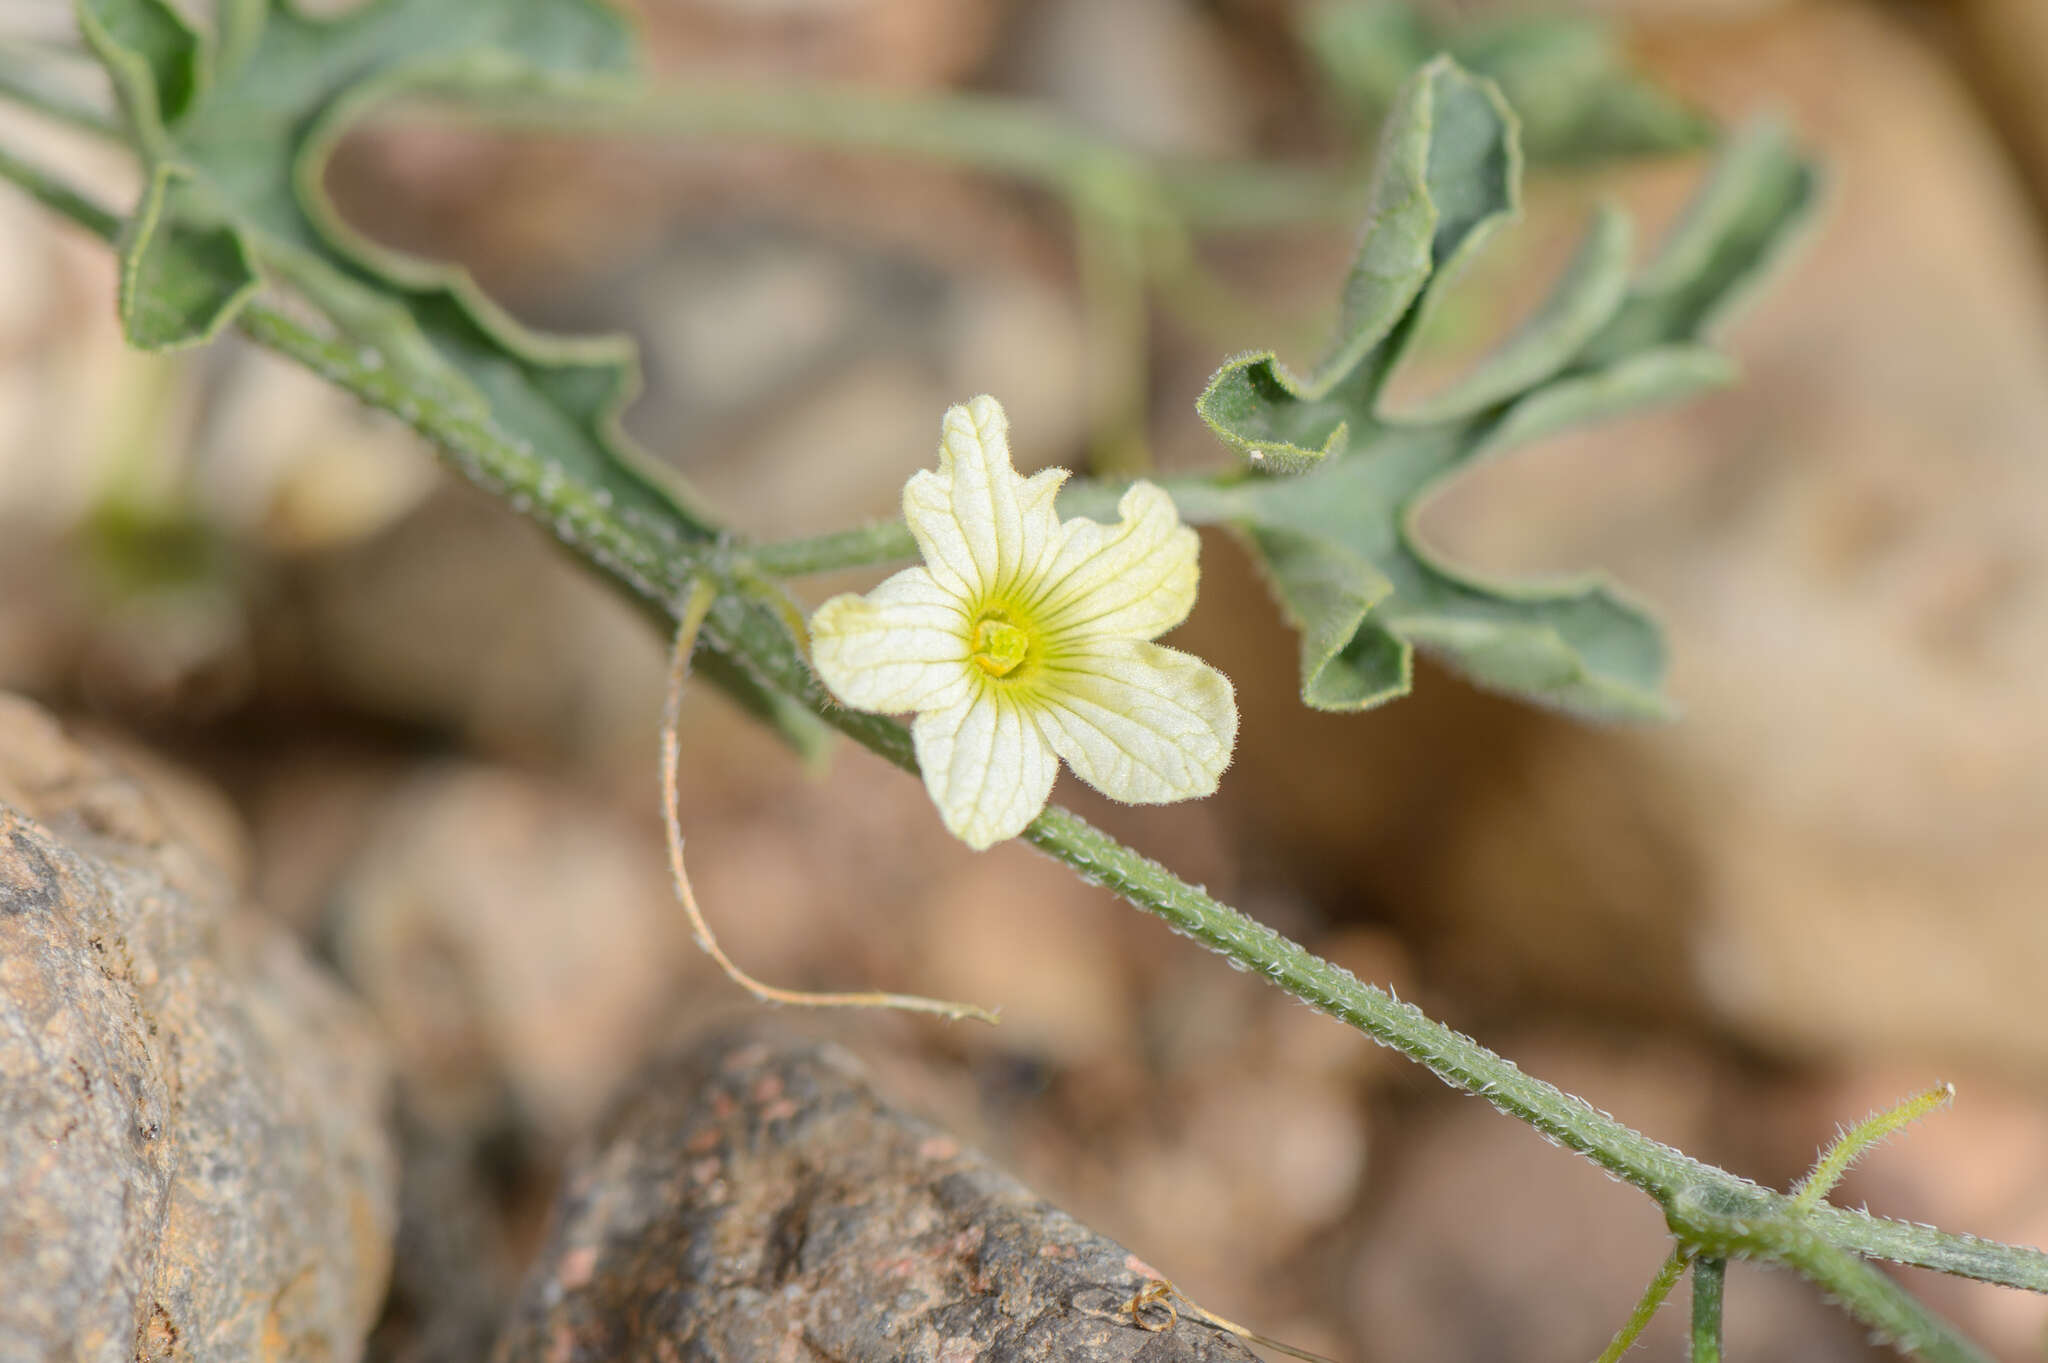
(1713, 1213)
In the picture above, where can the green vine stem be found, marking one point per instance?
(1111, 240)
(1668, 1274)
(24, 81)
(879, 542)
(1133, 215)
(1200, 501)
(1709, 1279)
(1711, 1212)
(985, 133)
(54, 194)
(1858, 1139)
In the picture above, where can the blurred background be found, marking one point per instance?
(422, 736)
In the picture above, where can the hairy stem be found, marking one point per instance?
(54, 194)
(22, 82)
(1453, 1057)
(1110, 247)
(1132, 213)
(1712, 1212)
(1201, 501)
(1873, 1298)
(986, 133)
(1646, 1308)
(1709, 1278)
(880, 542)
(1858, 1139)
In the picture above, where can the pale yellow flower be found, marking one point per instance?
(1024, 640)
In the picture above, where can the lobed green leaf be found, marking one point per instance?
(182, 276)
(236, 139)
(1332, 573)
(154, 58)
(1448, 173)
(1337, 473)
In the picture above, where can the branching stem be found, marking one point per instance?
(1714, 1214)
(1853, 1143)
(1645, 1311)
(1709, 1278)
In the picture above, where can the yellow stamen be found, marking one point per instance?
(999, 647)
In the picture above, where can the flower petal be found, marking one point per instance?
(901, 647)
(1140, 722)
(977, 523)
(987, 767)
(1133, 580)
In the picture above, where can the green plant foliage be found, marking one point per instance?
(1565, 76)
(235, 135)
(1336, 475)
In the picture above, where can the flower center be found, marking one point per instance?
(999, 646)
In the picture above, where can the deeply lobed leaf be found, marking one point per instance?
(235, 135)
(1337, 473)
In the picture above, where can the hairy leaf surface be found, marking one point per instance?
(235, 128)
(1336, 474)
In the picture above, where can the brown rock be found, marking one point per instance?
(192, 1157)
(757, 1200)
